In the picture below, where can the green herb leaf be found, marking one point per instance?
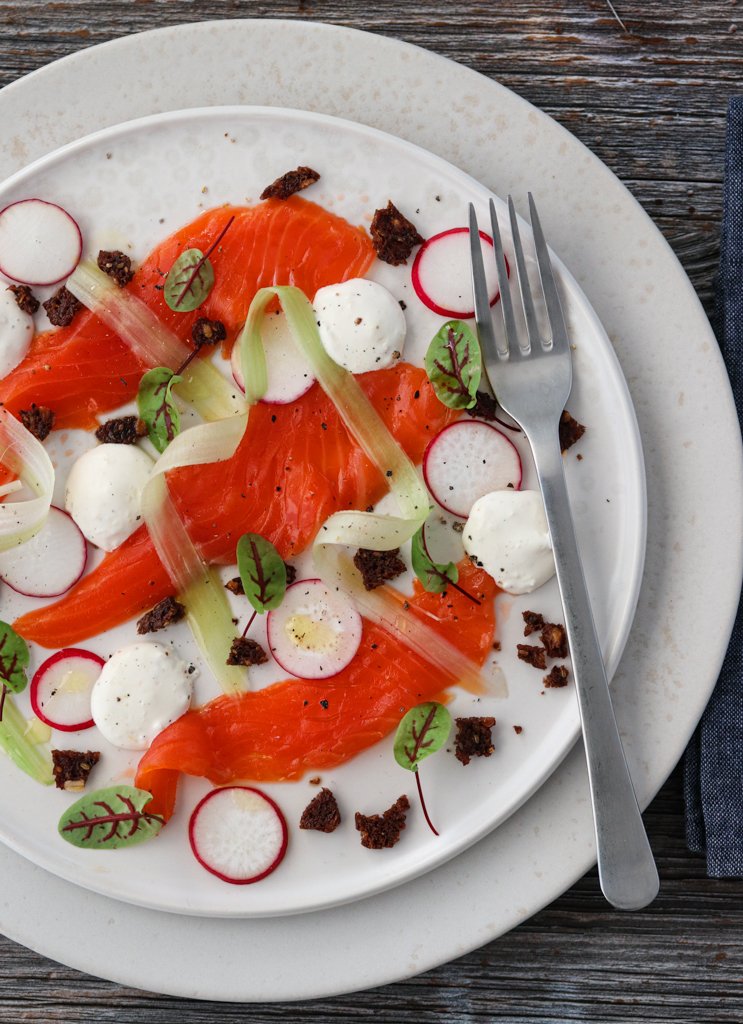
(13, 659)
(434, 576)
(189, 281)
(157, 407)
(110, 818)
(454, 365)
(262, 571)
(423, 731)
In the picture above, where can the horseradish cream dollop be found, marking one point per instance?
(361, 324)
(104, 490)
(507, 534)
(142, 688)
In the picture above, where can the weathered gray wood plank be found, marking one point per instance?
(651, 104)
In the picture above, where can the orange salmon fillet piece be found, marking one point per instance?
(279, 733)
(295, 466)
(84, 370)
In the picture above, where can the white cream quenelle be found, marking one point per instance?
(104, 491)
(507, 534)
(361, 324)
(142, 688)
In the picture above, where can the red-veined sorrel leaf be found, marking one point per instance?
(262, 572)
(110, 818)
(157, 406)
(421, 732)
(454, 365)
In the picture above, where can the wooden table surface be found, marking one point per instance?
(650, 101)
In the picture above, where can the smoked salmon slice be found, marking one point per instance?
(84, 370)
(295, 466)
(279, 733)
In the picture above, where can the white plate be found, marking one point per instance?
(227, 155)
(691, 581)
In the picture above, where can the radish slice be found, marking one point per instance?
(50, 562)
(467, 460)
(442, 276)
(238, 834)
(289, 374)
(315, 632)
(40, 243)
(61, 688)
(16, 332)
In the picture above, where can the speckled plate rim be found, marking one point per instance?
(695, 482)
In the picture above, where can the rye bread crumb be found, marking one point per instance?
(246, 652)
(533, 622)
(290, 183)
(570, 431)
(38, 420)
(321, 813)
(474, 738)
(393, 235)
(377, 567)
(117, 265)
(518, 729)
(556, 677)
(382, 831)
(24, 298)
(532, 655)
(164, 614)
(555, 640)
(122, 430)
(71, 768)
(62, 307)
(207, 332)
(485, 407)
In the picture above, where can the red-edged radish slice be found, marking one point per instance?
(442, 277)
(50, 562)
(315, 632)
(16, 332)
(238, 834)
(467, 460)
(289, 374)
(442, 542)
(40, 243)
(61, 688)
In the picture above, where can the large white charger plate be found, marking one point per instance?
(692, 450)
(226, 155)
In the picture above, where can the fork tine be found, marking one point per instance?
(546, 275)
(483, 313)
(509, 322)
(527, 302)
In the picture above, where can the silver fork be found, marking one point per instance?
(532, 377)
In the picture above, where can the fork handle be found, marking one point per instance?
(627, 871)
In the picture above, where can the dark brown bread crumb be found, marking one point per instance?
(534, 622)
(570, 431)
(321, 813)
(382, 831)
(377, 567)
(71, 768)
(162, 615)
(393, 236)
(207, 332)
(39, 420)
(117, 265)
(497, 645)
(474, 738)
(556, 677)
(485, 408)
(315, 780)
(25, 298)
(518, 729)
(62, 307)
(535, 656)
(235, 585)
(246, 652)
(290, 183)
(122, 430)
(555, 640)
